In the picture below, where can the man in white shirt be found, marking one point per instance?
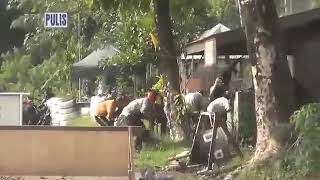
(219, 107)
(137, 109)
(132, 114)
(194, 101)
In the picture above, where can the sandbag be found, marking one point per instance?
(54, 100)
(200, 151)
(85, 111)
(55, 121)
(66, 110)
(55, 115)
(55, 124)
(63, 123)
(61, 109)
(67, 104)
(66, 117)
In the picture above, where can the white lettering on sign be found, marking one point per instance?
(210, 51)
(55, 20)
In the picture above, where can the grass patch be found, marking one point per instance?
(156, 155)
(85, 121)
(238, 161)
(281, 167)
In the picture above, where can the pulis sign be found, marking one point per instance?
(55, 20)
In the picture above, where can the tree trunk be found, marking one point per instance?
(169, 64)
(274, 97)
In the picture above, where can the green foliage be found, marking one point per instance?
(180, 106)
(276, 169)
(10, 37)
(156, 155)
(129, 32)
(307, 150)
(125, 85)
(159, 84)
(183, 112)
(136, 22)
(132, 38)
(302, 159)
(47, 54)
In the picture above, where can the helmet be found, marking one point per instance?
(152, 95)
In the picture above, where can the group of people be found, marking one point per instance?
(121, 112)
(218, 104)
(218, 101)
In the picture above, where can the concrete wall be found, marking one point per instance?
(64, 151)
(10, 109)
(306, 68)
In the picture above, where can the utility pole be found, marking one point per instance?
(79, 44)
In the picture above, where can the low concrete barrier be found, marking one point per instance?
(66, 151)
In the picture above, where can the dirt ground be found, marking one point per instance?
(189, 176)
(59, 178)
(176, 176)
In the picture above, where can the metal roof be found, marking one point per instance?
(89, 66)
(234, 41)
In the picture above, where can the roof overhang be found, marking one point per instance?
(234, 42)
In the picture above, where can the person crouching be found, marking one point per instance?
(135, 111)
(106, 110)
(220, 107)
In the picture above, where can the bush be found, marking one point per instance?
(307, 147)
(302, 159)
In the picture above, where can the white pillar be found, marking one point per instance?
(290, 59)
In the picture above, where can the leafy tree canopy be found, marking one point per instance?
(47, 54)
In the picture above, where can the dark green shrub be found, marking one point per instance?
(307, 147)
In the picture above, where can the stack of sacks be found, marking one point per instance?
(62, 110)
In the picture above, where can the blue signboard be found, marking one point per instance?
(55, 20)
